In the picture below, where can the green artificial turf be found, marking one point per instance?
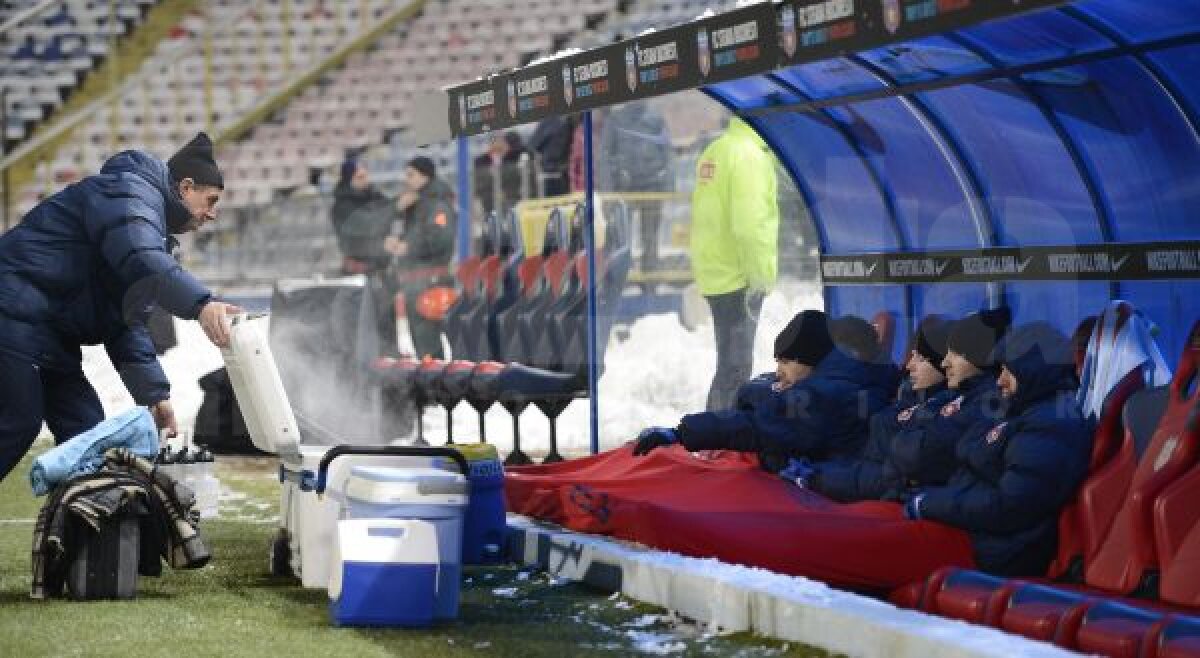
(233, 608)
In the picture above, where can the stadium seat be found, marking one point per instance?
(1072, 549)
(1177, 539)
(1127, 555)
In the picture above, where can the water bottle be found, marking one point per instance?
(206, 485)
(185, 465)
(166, 460)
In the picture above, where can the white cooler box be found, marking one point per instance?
(385, 573)
(304, 546)
(368, 585)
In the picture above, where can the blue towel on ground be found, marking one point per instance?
(84, 453)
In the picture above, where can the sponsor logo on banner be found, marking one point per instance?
(891, 15)
(631, 67)
(994, 265)
(568, 85)
(1173, 260)
(917, 268)
(787, 22)
(848, 269)
(1097, 263)
(703, 58)
(512, 99)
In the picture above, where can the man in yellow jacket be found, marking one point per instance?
(735, 224)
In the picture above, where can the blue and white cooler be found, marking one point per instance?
(386, 573)
(431, 495)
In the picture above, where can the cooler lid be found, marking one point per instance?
(381, 484)
(258, 387)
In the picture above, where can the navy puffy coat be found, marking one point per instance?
(1015, 475)
(85, 266)
(822, 416)
(925, 453)
(869, 475)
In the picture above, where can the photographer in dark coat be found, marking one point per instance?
(85, 267)
(825, 399)
(1015, 475)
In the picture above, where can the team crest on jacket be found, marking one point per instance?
(993, 435)
(903, 416)
(787, 23)
(631, 69)
(891, 15)
(568, 85)
(702, 55)
(952, 407)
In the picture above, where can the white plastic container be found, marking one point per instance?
(385, 573)
(427, 494)
(308, 519)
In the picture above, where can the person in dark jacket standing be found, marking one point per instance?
(822, 415)
(551, 141)
(425, 252)
(362, 218)
(505, 175)
(1016, 474)
(85, 267)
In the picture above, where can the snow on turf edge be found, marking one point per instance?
(790, 608)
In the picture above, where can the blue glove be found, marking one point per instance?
(654, 437)
(912, 508)
(798, 470)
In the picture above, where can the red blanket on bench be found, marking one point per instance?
(723, 505)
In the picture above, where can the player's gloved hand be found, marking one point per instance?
(654, 437)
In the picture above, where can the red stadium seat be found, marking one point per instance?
(1128, 552)
(1177, 539)
(1073, 549)
(1174, 637)
(1115, 629)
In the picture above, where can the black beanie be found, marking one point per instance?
(195, 161)
(805, 339)
(424, 165)
(930, 340)
(975, 336)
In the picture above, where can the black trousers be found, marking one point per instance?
(735, 321)
(29, 395)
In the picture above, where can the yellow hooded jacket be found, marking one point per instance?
(735, 214)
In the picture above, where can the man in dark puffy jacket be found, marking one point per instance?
(85, 267)
(822, 415)
(866, 477)
(915, 447)
(425, 251)
(1015, 474)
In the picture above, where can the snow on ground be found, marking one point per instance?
(656, 370)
